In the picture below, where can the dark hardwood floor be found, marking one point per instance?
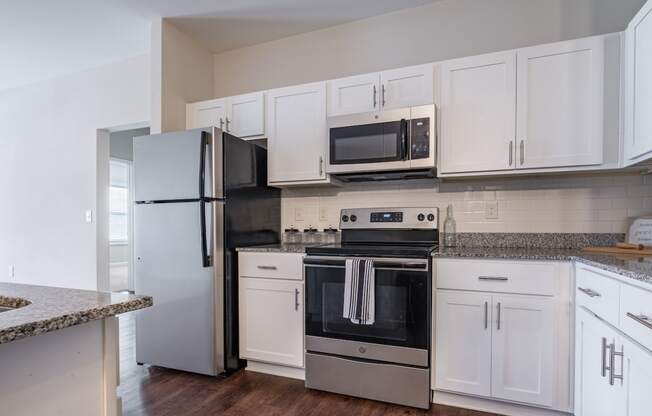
(154, 391)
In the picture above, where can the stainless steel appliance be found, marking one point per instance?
(390, 359)
(199, 195)
(392, 140)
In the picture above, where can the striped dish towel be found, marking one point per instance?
(359, 293)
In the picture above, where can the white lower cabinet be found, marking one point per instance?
(637, 372)
(271, 321)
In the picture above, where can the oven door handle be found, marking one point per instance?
(404, 139)
(420, 265)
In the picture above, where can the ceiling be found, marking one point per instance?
(43, 39)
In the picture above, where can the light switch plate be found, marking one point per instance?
(491, 210)
(11, 271)
(298, 214)
(323, 214)
(89, 216)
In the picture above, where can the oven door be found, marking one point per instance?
(369, 142)
(402, 299)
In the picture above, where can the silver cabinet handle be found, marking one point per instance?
(511, 153)
(221, 124)
(641, 319)
(612, 364)
(493, 278)
(498, 327)
(296, 299)
(267, 267)
(227, 124)
(589, 292)
(383, 95)
(321, 166)
(605, 347)
(522, 152)
(486, 315)
(375, 93)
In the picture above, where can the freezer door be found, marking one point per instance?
(170, 166)
(179, 331)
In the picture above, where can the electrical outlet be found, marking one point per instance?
(89, 216)
(323, 214)
(298, 214)
(491, 210)
(11, 271)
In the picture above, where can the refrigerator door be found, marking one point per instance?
(179, 331)
(171, 166)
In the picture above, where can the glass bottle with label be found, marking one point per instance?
(450, 237)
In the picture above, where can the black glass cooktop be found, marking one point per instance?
(371, 250)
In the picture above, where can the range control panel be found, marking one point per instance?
(380, 218)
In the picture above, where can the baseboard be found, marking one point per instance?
(276, 370)
(491, 406)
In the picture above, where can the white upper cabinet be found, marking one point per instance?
(358, 94)
(403, 87)
(241, 115)
(246, 115)
(296, 134)
(407, 87)
(478, 106)
(560, 102)
(206, 114)
(638, 87)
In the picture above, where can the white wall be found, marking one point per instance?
(121, 142)
(48, 134)
(442, 30)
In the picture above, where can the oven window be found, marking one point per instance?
(371, 143)
(401, 313)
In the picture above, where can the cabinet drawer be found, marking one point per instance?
(498, 276)
(598, 293)
(636, 314)
(287, 266)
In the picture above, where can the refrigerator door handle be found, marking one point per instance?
(206, 258)
(217, 145)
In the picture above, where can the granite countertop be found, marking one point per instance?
(633, 267)
(279, 248)
(42, 309)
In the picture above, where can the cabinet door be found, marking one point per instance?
(594, 396)
(523, 364)
(246, 115)
(637, 370)
(358, 94)
(478, 113)
(560, 104)
(463, 342)
(407, 87)
(296, 133)
(638, 87)
(271, 321)
(206, 114)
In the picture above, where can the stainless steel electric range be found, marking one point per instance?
(388, 360)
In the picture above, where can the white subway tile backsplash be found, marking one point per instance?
(586, 203)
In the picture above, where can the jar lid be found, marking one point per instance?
(310, 230)
(330, 230)
(291, 230)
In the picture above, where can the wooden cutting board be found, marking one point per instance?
(617, 250)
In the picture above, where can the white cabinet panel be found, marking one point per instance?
(297, 133)
(560, 102)
(271, 321)
(246, 115)
(406, 87)
(358, 94)
(463, 342)
(206, 114)
(638, 87)
(523, 365)
(478, 107)
(637, 370)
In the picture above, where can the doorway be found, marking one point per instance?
(121, 197)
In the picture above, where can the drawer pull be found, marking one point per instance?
(267, 267)
(589, 292)
(493, 278)
(641, 319)
(605, 347)
(296, 299)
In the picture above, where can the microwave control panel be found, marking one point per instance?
(420, 138)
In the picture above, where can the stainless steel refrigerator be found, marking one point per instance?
(199, 194)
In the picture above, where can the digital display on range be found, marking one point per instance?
(386, 217)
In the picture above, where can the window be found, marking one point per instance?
(119, 201)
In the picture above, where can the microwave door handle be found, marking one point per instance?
(404, 138)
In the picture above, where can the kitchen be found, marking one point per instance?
(444, 264)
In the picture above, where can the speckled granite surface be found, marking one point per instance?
(539, 240)
(44, 309)
(278, 248)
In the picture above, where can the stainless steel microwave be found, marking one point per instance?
(401, 139)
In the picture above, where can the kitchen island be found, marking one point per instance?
(59, 350)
